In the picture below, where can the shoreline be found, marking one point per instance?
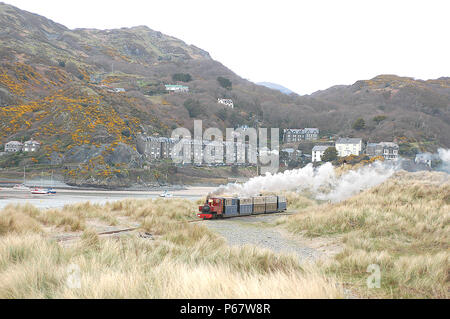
(73, 196)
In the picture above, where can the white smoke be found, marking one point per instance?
(322, 182)
(355, 181)
(444, 155)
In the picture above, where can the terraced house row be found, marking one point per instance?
(292, 135)
(158, 148)
(354, 146)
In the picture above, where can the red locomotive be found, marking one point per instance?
(224, 207)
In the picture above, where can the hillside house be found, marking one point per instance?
(296, 135)
(174, 88)
(317, 152)
(426, 158)
(227, 102)
(348, 146)
(150, 146)
(388, 150)
(13, 147)
(166, 146)
(290, 154)
(31, 146)
(292, 135)
(311, 134)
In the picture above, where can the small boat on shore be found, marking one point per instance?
(39, 191)
(21, 187)
(51, 191)
(166, 194)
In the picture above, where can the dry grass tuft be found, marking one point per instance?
(401, 225)
(183, 260)
(22, 221)
(34, 267)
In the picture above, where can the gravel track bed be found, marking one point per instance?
(258, 231)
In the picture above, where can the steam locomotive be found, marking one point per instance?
(224, 207)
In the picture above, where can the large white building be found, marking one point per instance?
(348, 146)
(227, 102)
(31, 146)
(177, 88)
(318, 151)
(13, 147)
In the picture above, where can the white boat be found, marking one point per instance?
(166, 194)
(39, 191)
(21, 187)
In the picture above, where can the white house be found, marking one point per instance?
(388, 150)
(31, 146)
(13, 147)
(177, 88)
(318, 151)
(426, 158)
(227, 102)
(348, 146)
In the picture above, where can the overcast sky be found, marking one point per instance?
(303, 45)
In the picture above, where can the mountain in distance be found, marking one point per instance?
(277, 87)
(65, 87)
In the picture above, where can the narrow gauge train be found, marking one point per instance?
(224, 207)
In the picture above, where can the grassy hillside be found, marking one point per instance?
(401, 225)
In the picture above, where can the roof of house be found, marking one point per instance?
(288, 150)
(426, 156)
(176, 86)
(349, 140)
(320, 148)
(388, 144)
(32, 142)
(14, 143)
(293, 130)
(311, 130)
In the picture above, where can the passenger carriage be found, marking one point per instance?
(225, 207)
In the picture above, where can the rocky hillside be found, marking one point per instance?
(56, 86)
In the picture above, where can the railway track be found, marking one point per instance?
(111, 232)
(251, 216)
(61, 239)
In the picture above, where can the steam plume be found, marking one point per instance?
(444, 155)
(322, 182)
